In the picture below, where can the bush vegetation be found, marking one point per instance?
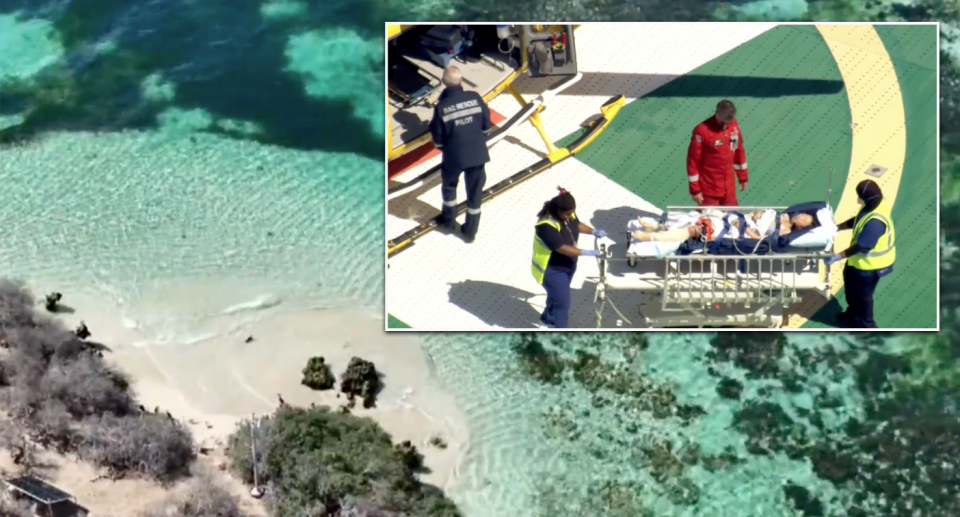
(201, 497)
(322, 462)
(59, 393)
(317, 375)
(10, 507)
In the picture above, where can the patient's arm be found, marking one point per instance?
(786, 229)
(753, 234)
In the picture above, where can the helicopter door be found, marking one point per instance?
(549, 50)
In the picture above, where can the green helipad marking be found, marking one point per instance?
(908, 297)
(394, 323)
(792, 108)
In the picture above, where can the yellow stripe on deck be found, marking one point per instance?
(879, 131)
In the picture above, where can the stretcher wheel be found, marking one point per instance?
(631, 261)
(601, 295)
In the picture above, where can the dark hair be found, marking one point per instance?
(562, 202)
(869, 192)
(726, 109)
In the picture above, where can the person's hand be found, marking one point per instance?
(589, 253)
(832, 259)
(743, 186)
(698, 198)
(598, 233)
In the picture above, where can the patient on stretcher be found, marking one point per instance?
(707, 228)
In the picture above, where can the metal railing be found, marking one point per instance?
(701, 281)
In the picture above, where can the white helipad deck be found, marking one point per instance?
(442, 283)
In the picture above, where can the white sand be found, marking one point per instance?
(212, 384)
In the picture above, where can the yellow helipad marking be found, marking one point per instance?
(879, 130)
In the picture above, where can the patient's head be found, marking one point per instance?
(797, 222)
(757, 215)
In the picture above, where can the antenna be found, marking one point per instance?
(256, 491)
(830, 186)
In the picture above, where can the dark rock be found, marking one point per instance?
(409, 455)
(538, 362)
(817, 420)
(683, 492)
(52, 300)
(803, 500)
(690, 411)
(768, 428)
(690, 454)
(792, 382)
(730, 388)
(361, 379)
(82, 331)
(873, 375)
(721, 461)
(755, 352)
(832, 465)
(664, 464)
(317, 375)
(856, 511)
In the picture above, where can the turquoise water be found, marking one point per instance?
(118, 196)
(147, 148)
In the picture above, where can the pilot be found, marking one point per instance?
(461, 121)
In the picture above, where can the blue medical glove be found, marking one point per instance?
(589, 253)
(833, 258)
(598, 233)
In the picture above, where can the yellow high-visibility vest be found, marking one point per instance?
(541, 253)
(885, 252)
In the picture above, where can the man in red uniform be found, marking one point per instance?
(716, 152)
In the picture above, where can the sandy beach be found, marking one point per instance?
(211, 384)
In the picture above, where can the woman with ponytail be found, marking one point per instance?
(555, 254)
(870, 256)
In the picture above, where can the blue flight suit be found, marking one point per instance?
(459, 127)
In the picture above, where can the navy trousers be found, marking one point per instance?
(557, 285)
(859, 287)
(474, 179)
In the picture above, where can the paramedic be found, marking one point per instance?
(870, 256)
(555, 254)
(459, 126)
(715, 154)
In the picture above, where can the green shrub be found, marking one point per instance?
(313, 460)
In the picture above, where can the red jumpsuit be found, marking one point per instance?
(715, 154)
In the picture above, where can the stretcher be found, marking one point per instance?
(729, 281)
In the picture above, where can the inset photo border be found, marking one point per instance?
(731, 175)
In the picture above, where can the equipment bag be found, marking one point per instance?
(441, 43)
(541, 57)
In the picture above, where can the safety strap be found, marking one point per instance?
(718, 238)
(774, 237)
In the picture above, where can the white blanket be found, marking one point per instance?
(819, 238)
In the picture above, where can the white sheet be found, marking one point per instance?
(819, 238)
(822, 236)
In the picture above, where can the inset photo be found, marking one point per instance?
(662, 176)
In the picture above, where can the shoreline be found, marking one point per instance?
(214, 383)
